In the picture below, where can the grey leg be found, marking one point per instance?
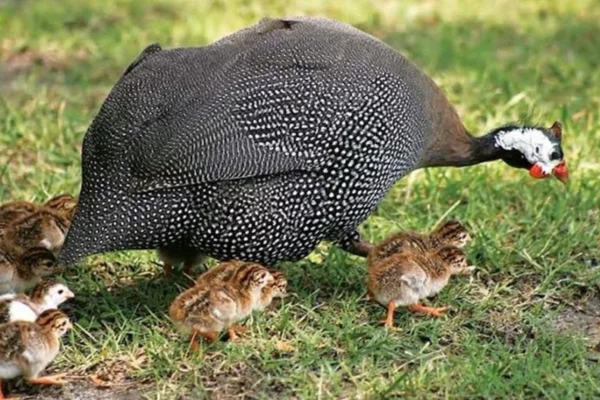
(353, 244)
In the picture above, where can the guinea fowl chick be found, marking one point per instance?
(63, 204)
(451, 232)
(13, 211)
(221, 272)
(26, 348)
(212, 305)
(44, 227)
(277, 288)
(44, 296)
(409, 276)
(19, 272)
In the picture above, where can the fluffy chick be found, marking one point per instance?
(63, 204)
(212, 305)
(26, 348)
(277, 288)
(44, 227)
(20, 272)
(13, 211)
(405, 278)
(221, 272)
(44, 296)
(451, 232)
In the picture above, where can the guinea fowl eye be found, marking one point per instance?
(555, 156)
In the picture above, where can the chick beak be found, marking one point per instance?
(537, 172)
(69, 294)
(561, 172)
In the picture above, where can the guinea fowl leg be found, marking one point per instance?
(193, 341)
(436, 312)
(49, 380)
(187, 268)
(353, 244)
(168, 269)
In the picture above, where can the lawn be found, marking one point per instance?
(525, 325)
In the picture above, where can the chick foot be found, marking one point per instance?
(49, 380)
(234, 330)
(168, 268)
(436, 312)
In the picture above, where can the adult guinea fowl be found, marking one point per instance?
(264, 143)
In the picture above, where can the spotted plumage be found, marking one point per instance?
(261, 145)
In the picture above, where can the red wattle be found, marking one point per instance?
(537, 172)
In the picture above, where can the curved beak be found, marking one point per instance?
(561, 172)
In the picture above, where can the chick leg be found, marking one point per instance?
(436, 312)
(49, 380)
(193, 341)
(210, 336)
(234, 330)
(389, 321)
(2, 394)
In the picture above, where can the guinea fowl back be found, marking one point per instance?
(301, 124)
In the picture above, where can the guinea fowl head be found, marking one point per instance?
(536, 149)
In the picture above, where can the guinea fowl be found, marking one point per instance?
(270, 140)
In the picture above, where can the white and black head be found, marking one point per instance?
(534, 148)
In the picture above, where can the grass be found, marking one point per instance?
(536, 242)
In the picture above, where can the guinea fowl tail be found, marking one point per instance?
(85, 237)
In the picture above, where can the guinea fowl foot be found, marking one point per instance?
(234, 330)
(168, 268)
(436, 312)
(49, 380)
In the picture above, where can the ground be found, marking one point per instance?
(525, 325)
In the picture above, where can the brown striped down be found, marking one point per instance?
(53, 320)
(41, 289)
(451, 232)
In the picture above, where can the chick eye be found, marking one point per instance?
(555, 156)
(61, 291)
(537, 150)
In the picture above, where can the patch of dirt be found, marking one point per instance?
(582, 319)
(75, 390)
